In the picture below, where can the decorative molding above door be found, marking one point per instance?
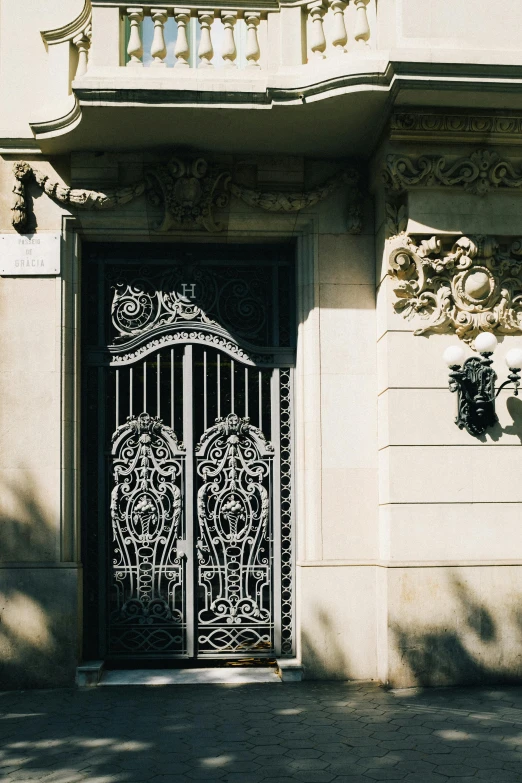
(189, 189)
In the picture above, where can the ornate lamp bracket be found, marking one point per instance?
(473, 380)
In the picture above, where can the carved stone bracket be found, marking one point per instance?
(478, 173)
(474, 287)
(189, 191)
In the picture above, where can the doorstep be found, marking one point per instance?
(92, 673)
(210, 676)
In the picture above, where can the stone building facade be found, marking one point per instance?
(234, 244)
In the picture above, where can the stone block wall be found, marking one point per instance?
(449, 501)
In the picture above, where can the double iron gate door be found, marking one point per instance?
(187, 459)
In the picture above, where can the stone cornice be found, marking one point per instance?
(59, 125)
(429, 126)
(68, 31)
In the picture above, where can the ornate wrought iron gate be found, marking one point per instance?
(188, 453)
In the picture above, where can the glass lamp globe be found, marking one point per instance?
(454, 356)
(514, 359)
(485, 342)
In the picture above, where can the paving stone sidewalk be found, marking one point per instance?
(306, 732)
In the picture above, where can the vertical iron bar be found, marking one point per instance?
(130, 391)
(188, 440)
(204, 391)
(260, 384)
(292, 488)
(117, 419)
(276, 506)
(246, 392)
(219, 386)
(144, 387)
(232, 386)
(104, 464)
(275, 304)
(158, 385)
(104, 526)
(172, 388)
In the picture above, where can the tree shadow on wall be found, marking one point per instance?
(322, 652)
(38, 598)
(461, 655)
(514, 408)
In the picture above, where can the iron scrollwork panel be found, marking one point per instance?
(147, 611)
(234, 540)
(237, 300)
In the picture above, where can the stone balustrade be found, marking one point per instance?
(327, 25)
(186, 37)
(246, 38)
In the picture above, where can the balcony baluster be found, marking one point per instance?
(83, 43)
(158, 49)
(362, 27)
(206, 50)
(229, 52)
(252, 44)
(340, 36)
(317, 39)
(135, 46)
(182, 48)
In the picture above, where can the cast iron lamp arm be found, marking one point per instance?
(513, 377)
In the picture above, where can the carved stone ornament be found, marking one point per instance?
(189, 190)
(441, 126)
(473, 288)
(478, 173)
(396, 218)
(86, 199)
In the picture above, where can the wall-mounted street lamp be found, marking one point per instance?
(474, 381)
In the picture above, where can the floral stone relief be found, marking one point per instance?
(475, 287)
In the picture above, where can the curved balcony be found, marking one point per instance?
(253, 76)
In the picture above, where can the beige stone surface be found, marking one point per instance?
(337, 613)
(24, 87)
(439, 211)
(30, 514)
(345, 259)
(408, 361)
(450, 474)
(422, 23)
(450, 531)
(28, 309)
(349, 421)
(29, 420)
(453, 625)
(349, 513)
(347, 329)
(426, 417)
(39, 626)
